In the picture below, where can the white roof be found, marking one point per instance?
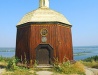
(43, 14)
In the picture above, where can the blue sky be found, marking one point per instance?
(82, 14)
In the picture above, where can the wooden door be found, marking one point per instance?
(42, 56)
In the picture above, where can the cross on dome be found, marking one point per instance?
(44, 4)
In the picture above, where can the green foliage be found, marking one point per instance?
(12, 68)
(12, 64)
(5, 59)
(20, 71)
(35, 64)
(68, 68)
(95, 58)
(91, 62)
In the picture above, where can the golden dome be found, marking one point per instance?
(43, 14)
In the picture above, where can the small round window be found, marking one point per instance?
(44, 32)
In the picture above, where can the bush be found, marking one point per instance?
(11, 66)
(91, 62)
(12, 63)
(95, 58)
(68, 68)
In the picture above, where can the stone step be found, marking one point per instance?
(44, 66)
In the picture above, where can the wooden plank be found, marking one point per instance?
(59, 37)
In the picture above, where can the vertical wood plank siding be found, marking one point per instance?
(23, 43)
(59, 38)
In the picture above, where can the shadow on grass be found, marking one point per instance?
(2, 66)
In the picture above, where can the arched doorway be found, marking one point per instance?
(44, 54)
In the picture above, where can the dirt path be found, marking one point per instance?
(44, 73)
(89, 71)
(95, 71)
(1, 71)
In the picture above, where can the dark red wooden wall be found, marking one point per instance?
(58, 37)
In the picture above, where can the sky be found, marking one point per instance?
(82, 14)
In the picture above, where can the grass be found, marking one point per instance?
(5, 59)
(91, 62)
(76, 68)
(64, 68)
(58, 68)
(68, 68)
(18, 72)
(11, 68)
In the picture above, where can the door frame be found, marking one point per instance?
(48, 47)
